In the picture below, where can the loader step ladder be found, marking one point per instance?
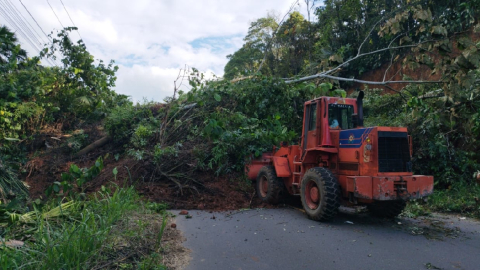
(297, 173)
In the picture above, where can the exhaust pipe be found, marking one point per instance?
(360, 108)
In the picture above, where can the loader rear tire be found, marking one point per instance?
(320, 194)
(269, 187)
(387, 209)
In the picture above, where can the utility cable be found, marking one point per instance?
(25, 19)
(35, 20)
(15, 26)
(48, 37)
(55, 14)
(16, 17)
(19, 31)
(71, 20)
(27, 31)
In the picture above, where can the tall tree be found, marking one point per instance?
(248, 58)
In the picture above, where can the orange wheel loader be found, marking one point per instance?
(341, 162)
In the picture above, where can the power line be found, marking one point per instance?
(48, 37)
(35, 20)
(5, 14)
(25, 19)
(21, 23)
(10, 8)
(71, 19)
(55, 14)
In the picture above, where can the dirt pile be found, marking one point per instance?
(207, 191)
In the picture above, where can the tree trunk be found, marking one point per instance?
(99, 143)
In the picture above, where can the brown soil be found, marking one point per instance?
(209, 192)
(397, 71)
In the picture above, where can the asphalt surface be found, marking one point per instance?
(286, 239)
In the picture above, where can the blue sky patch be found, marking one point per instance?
(131, 60)
(156, 46)
(216, 44)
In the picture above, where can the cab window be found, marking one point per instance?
(340, 116)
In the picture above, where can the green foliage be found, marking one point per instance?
(123, 121)
(251, 116)
(216, 125)
(283, 49)
(74, 180)
(86, 234)
(77, 141)
(416, 208)
(159, 208)
(85, 85)
(247, 59)
(11, 54)
(167, 152)
(460, 197)
(10, 185)
(142, 135)
(18, 120)
(32, 95)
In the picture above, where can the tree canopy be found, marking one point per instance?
(426, 52)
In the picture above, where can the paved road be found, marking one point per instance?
(286, 239)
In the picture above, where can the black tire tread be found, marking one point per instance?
(276, 187)
(332, 194)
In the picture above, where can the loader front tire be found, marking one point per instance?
(269, 187)
(320, 194)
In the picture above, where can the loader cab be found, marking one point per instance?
(324, 114)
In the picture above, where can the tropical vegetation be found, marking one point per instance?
(218, 122)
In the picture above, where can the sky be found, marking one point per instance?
(149, 40)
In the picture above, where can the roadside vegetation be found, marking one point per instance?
(462, 199)
(209, 130)
(109, 229)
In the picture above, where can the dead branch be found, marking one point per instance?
(241, 79)
(165, 121)
(173, 180)
(323, 75)
(99, 143)
(391, 57)
(369, 33)
(433, 94)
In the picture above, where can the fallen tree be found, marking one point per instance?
(96, 144)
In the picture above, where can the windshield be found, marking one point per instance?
(340, 116)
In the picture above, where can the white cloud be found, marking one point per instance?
(151, 40)
(149, 82)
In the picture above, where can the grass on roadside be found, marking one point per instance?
(462, 198)
(111, 230)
